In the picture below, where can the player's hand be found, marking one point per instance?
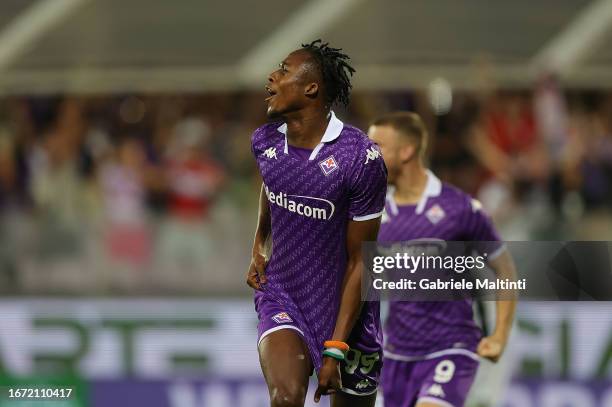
(329, 378)
(256, 274)
(491, 347)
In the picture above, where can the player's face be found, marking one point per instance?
(288, 85)
(390, 144)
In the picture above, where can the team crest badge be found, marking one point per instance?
(435, 214)
(328, 165)
(281, 318)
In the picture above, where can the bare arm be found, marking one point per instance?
(261, 244)
(350, 303)
(504, 268)
(493, 346)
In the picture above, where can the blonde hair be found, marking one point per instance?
(408, 124)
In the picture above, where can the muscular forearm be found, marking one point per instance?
(506, 302)
(256, 274)
(262, 232)
(350, 300)
(504, 315)
(350, 303)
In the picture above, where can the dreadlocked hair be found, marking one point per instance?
(335, 71)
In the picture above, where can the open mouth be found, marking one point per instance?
(270, 92)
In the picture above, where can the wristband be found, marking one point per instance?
(334, 353)
(343, 346)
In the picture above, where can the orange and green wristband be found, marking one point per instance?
(335, 349)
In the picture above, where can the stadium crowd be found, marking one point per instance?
(158, 193)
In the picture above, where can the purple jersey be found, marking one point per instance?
(311, 200)
(443, 212)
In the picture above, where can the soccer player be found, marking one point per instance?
(323, 193)
(432, 349)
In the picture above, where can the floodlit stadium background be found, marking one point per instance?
(116, 280)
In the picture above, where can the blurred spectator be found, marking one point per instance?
(193, 177)
(551, 116)
(450, 155)
(507, 141)
(61, 192)
(13, 187)
(166, 182)
(193, 183)
(12, 198)
(553, 125)
(596, 163)
(122, 183)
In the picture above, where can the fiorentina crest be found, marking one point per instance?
(328, 165)
(282, 317)
(435, 214)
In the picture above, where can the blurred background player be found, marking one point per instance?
(323, 193)
(432, 349)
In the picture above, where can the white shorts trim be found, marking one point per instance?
(433, 355)
(434, 400)
(354, 393)
(278, 328)
(368, 217)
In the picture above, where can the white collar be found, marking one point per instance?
(332, 132)
(433, 188)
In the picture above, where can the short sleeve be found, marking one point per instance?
(479, 227)
(368, 185)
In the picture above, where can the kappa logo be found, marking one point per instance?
(436, 390)
(281, 318)
(371, 154)
(435, 214)
(329, 165)
(270, 153)
(364, 384)
(476, 205)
